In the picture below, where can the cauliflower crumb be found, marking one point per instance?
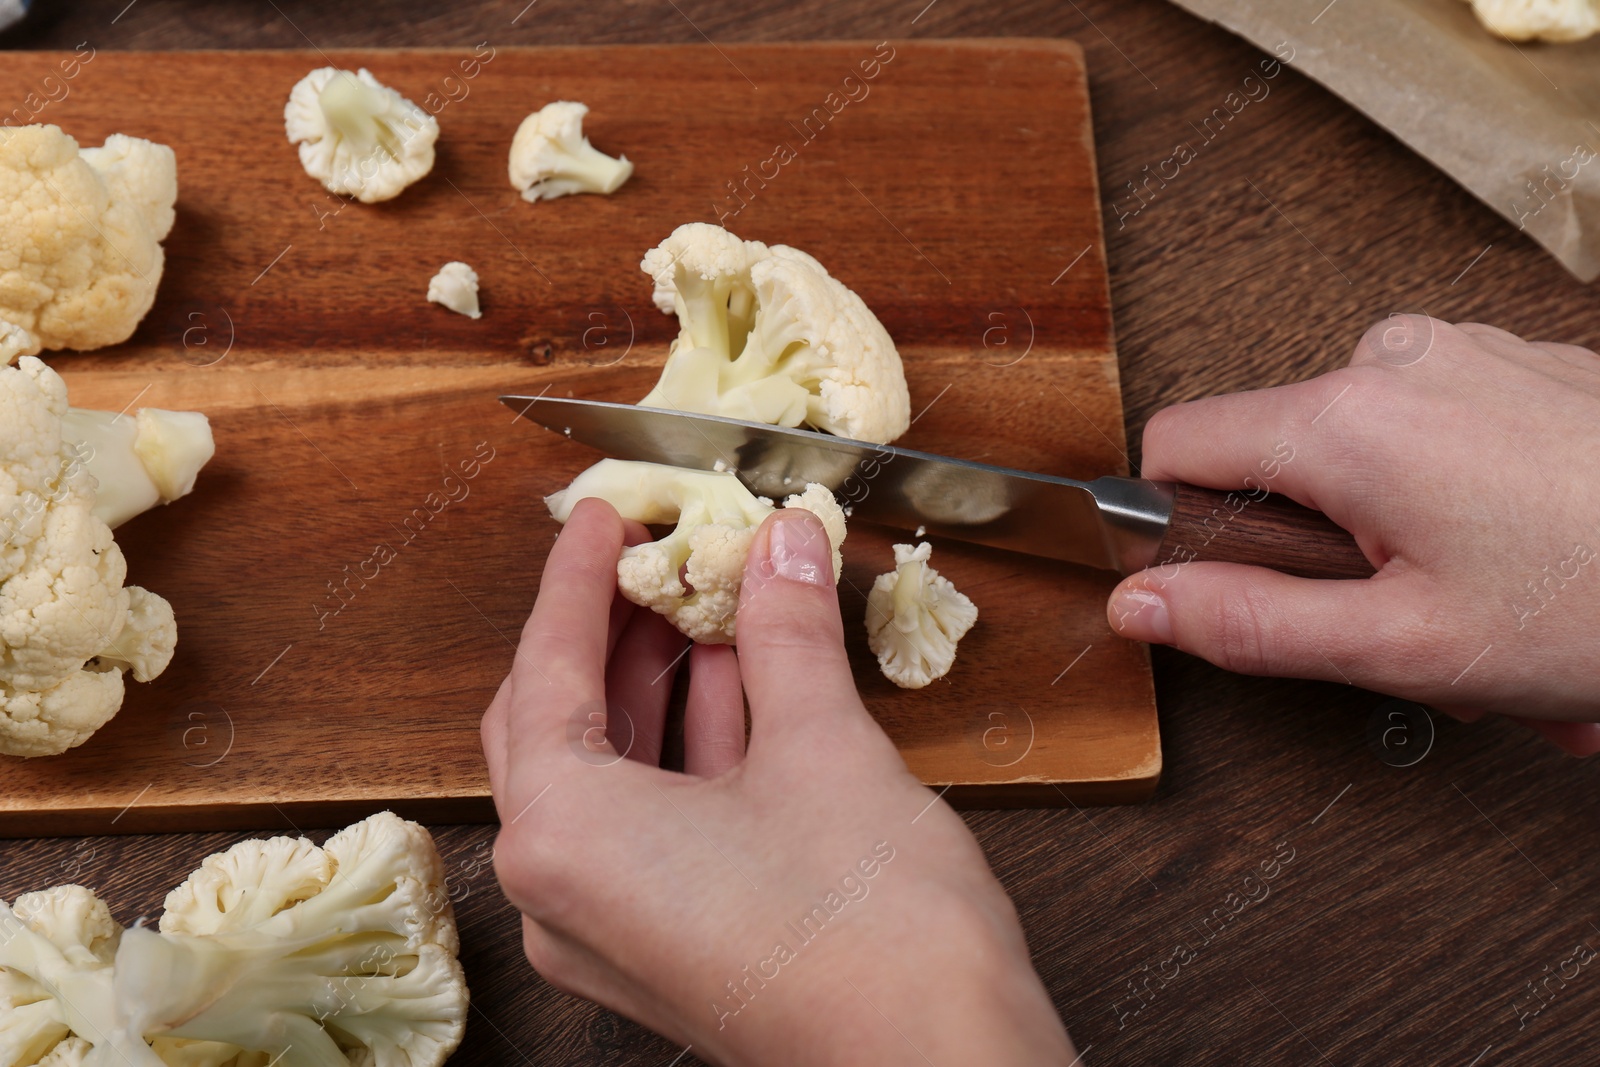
(456, 287)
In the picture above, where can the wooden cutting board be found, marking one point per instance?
(357, 561)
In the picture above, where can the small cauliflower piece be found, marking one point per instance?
(693, 575)
(274, 951)
(456, 287)
(1546, 20)
(80, 237)
(914, 619)
(551, 157)
(68, 627)
(357, 136)
(768, 335)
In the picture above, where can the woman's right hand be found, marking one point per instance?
(1466, 462)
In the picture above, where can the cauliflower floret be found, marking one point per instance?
(1549, 20)
(68, 627)
(357, 136)
(80, 233)
(56, 951)
(768, 335)
(693, 575)
(456, 287)
(551, 157)
(914, 619)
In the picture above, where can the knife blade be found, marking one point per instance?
(1113, 523)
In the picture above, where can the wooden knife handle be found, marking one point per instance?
(1266, 530)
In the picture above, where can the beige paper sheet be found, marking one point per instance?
(1516, 124)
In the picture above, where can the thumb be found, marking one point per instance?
(1257, 621)
(790, 636)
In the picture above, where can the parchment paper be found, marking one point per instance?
(1516, 124)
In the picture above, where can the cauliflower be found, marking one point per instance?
(768, 335)
(693, 575)
(273, 951)
(551, 157)
(357, 136)
(456, 287)
(151, 457)
(914, 619)
(68, 627)
(1549, 20)
(80, 233)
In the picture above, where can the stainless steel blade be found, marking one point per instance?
(1113, 523)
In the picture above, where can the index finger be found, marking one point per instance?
(561, 660)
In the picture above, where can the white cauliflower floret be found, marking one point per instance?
(1548, 20)
(551, 157)
(693, 575)
(768, 335)
(914, 619)
(68, 627)
(273, 952)
(357, 136)
(456, 287)
(80, 237)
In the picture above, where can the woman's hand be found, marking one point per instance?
(807, 901)
(1466, 462)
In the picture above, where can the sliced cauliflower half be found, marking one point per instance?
(274, 951)
(1546, 20)
(357, 136)
(914, 619)
(768, 335)
(456, 287)
(551, 157)
(68, 627)
(80, 237)
(693, 575)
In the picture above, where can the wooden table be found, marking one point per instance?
(1419, 902)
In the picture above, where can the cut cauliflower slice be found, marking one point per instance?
(693, 575)
(914, 619)
(274, 951)
(68, 627)
(80, 237)
(1547, 20)
(456, 287)
(551, 157)
(768, 335)
(357, 136)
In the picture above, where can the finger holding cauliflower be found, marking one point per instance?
(80, 236)
(69, 628)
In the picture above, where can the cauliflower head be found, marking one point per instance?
(768, 335)
(1547, 20)
(694, 574)
(68, 627)
(80, 236)
(273, 952)
(914, 619)
(551, 157)
(357, 136)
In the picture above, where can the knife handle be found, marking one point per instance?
(1263, 530)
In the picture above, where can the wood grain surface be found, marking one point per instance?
(1421, 901)
(371, 534)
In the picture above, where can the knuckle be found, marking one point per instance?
(1242, 635)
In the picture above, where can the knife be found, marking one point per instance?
(1120, 524)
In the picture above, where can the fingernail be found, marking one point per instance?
(798, 549)
(1142, 616)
